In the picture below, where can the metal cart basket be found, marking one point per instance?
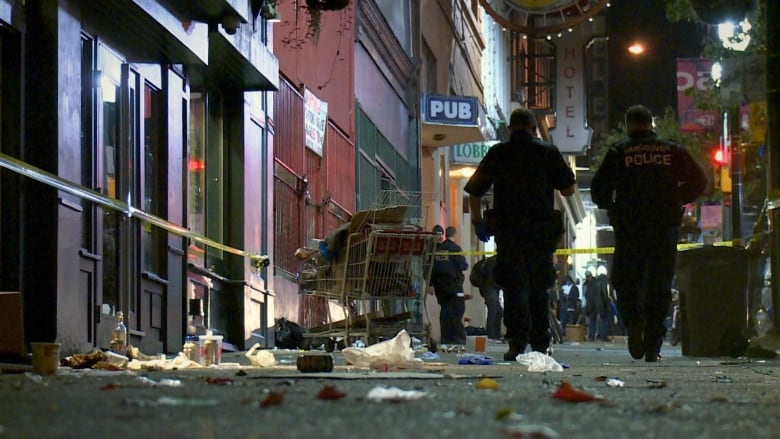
(377, 273)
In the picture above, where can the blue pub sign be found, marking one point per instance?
(451, 110)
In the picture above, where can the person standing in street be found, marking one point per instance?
(489, 291)
(643, 183)
(447, 279)
(597, 306)
(524, 172)
(569, 302)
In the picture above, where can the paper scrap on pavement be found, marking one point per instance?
(263, 358)
(394, 394)
(179, 362)
(394, 352)
(539, 362)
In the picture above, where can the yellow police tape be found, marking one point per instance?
(578, 251)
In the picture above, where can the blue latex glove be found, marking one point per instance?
(483, 360)
(481, 229)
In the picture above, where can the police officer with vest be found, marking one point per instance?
(447, 279)
(643, 183)
(524, 172)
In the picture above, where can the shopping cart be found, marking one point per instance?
(379, 275)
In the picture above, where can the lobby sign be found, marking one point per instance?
(471, 153)
(315, 118)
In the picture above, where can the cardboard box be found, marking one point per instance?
(11, 329)
(575, 333)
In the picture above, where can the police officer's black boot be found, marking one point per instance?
(636, 344)
(516, 347)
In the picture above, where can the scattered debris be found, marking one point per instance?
(656, 384)
(170, 401)
(614, 382)
(260, 357)
(330, 393)
(475, 359)
(219, 381)
(394, 394)
(665, 408)
(531, 431)
(273, 398)
(539, 362)
(487, 384)
(566, 392)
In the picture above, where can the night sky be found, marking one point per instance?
(651, 79)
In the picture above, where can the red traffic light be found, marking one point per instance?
(719, 157)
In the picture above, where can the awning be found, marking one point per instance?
(145, 31)
(241, 61)
(452, 120)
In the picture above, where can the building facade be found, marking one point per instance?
(135, 155)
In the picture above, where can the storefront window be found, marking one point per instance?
(109, 67)
(197, 177)
(154, 186)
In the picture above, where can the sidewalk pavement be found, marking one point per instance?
(679, 397)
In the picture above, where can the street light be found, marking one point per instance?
(735, 36)
(636, 49)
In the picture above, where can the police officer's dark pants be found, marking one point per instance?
(451, 319)
(494, 311)
(598, 325)
(525, 273)
(642, 273)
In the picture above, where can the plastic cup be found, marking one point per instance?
(476, 343)
(45, 357)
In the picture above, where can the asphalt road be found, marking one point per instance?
(680, 397)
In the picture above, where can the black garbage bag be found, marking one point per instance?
(289, 335)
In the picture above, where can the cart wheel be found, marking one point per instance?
(330, 345)
(341, 344)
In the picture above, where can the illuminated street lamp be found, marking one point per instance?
(636, 49)
(735, 36)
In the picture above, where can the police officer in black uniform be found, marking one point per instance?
(643, 183)
(447, 280)
(523, 172)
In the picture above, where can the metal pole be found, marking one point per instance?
(737, 159)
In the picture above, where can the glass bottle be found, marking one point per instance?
(119, 335)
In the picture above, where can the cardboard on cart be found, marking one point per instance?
(11, 329)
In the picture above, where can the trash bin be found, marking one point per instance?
(713, 285)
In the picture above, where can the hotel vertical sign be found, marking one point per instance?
(571, 134)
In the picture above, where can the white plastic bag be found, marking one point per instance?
(539, 362)
(394, 352)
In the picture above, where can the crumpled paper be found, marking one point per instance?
(179, 362)
(539, 362)
(394, 394)
(263, 358)
(394, 352)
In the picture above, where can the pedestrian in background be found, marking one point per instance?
(524, 172)
(483, 277)
(569, 302)
(447, 279)
(643, 183)
(597, 305)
